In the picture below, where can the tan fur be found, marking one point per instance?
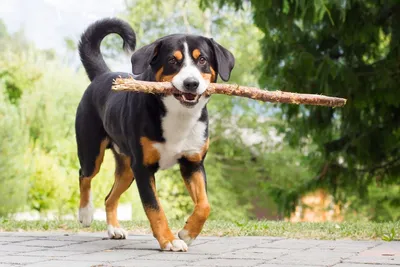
(199, 156)
(150, 153)
(158, 221)
(197, 190)
(178, 55)
(196, 53)
(123, 179)
(212, 79)
(85, 182)
(159, 74)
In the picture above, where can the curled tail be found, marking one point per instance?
(89, 45)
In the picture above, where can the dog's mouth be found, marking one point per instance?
(187, 99)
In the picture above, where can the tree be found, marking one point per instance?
(340, 48)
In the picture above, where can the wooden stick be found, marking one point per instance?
(166, 88)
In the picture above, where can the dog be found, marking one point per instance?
(148, 132)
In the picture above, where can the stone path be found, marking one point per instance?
(90, 249)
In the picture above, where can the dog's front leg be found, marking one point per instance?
(194, 176)
(147, 189)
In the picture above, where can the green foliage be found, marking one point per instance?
(347, 49)
(13, 142)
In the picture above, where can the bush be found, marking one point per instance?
(13, 144)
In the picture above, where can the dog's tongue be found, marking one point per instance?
(189, 96)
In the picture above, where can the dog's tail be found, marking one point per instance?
(89, 45)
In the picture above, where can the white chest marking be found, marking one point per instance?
(184, 134)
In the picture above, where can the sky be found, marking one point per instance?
(48, 22)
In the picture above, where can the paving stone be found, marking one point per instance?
(45, 243)
(58, 263)
(12, 239)
(90, 249)
(311, 257)
(142, 245)
(292, 244)
(347, 246)
(291, 265)
(94, 246)
(4, 253)
(153, 263)
(253, 253)
(21, 259)
(109, 255)
(226, 262)
(173, 256)
(384, 253)
(359, 265)
(15, 248)
(76, 238)
(217, 247)
(49, 253)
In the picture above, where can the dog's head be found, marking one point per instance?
(190, 62)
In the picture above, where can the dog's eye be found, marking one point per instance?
(202, 60)
(172, 61)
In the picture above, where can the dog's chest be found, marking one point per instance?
(184, 135)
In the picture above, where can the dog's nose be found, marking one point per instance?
(191, 84)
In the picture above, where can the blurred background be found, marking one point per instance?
(266, 161)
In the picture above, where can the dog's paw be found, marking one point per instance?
(176, 245)
(86, 215)
(184, 235)
(116, 232)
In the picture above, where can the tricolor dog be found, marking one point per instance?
(148, 132)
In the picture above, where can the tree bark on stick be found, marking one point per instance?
(166, 88)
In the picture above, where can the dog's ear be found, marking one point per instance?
(224, 59)
(143, 57)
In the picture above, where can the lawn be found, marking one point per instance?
(328, 230)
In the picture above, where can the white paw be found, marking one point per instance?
(116, 232)
(86, 215)
(176, 245)
(184, 235)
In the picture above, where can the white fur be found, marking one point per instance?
(176, 245)
(182, 130)
(86, 213)
(184, 235)
(189, 70)
(116, 232)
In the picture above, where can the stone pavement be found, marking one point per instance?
(91, 249)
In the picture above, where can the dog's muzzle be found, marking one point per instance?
(189, 97)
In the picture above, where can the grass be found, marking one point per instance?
(328, 230)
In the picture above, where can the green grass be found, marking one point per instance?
(348, 230)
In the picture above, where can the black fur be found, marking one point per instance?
(89, 45)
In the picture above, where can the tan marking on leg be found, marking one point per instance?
(159, 74)
(199, 156)
(158, 221)
(150, 153)
(178, 55)
(123, 179)
(196, 53)
(85, 182)
(197, 190)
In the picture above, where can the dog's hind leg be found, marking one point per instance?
(123, 180)
(92, 143)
